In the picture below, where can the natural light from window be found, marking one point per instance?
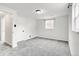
(49, 24)
(75, 17)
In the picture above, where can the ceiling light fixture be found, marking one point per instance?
(39, 11)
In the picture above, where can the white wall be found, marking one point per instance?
(8, 29)
(73, 37)
(23, 24)
(60, 31)
(0, 28)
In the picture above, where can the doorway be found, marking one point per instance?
(6, 29)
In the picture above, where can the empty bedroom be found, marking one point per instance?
(37, 29)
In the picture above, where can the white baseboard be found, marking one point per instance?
(51, 39)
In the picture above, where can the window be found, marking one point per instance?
(49, 24)
(75, 17)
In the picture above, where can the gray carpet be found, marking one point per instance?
(37, 47)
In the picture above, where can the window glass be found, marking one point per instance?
(75, 17)
(49, 24)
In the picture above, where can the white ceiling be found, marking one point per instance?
(27, 9)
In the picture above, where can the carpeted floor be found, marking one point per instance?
(37, 47)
